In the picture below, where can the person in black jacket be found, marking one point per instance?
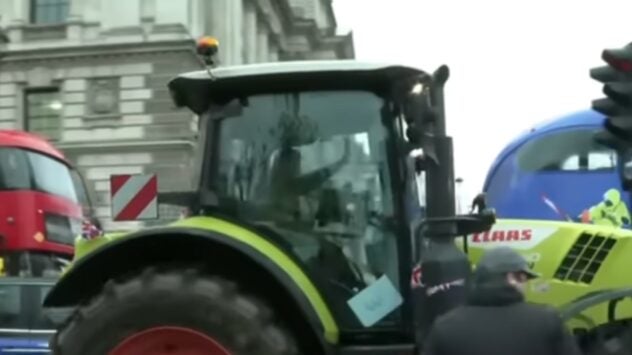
(496, 319)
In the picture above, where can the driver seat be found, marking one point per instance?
(341, 280)
(331, 261)
(283, 167)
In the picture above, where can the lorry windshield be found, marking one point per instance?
(22, 169)
(312, 168)
(559, 174)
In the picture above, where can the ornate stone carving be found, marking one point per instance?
(103, 96)
(39, 77)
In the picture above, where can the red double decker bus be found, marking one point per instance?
(43, 201)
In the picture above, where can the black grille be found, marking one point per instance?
(585, 257)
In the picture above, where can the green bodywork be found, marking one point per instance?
(573, 259)
(85, 247)
(547, 244)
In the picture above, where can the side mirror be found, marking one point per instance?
(476, 223)
(450, 227)
(447, 228)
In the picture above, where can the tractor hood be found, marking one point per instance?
(562, 251)
(574, 259)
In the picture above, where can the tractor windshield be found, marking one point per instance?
(311, 169)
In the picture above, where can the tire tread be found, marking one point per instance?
(252, 324)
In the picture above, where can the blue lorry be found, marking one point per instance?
(559, 170)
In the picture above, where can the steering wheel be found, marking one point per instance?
(335, 268)
(346, 289)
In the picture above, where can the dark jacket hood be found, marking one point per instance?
(493, 292)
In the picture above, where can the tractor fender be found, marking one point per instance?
(575, 308)
(254, 255)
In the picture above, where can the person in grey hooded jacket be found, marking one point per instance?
(496, 319)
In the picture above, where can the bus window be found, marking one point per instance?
(52, 176)
(570, 150)
(14, 170)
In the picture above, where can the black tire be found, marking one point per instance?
(617, 343)
(211, 305)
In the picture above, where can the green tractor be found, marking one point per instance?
(305, 227)
(323, 223)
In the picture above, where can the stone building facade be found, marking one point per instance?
(91, 74)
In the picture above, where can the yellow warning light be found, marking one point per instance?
(39, 237)
(207, 46)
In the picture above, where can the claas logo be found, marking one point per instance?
(508, 235)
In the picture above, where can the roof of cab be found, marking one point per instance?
(308, 66)
(28, 140)
(192, 89)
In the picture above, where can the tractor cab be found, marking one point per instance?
(312, 156)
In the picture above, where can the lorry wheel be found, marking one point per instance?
(175, 312)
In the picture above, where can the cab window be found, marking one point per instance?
(568, 150)
(311, 168)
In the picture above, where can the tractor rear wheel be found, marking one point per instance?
(174, 312)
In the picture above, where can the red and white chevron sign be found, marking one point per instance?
(134, 197)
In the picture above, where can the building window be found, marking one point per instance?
(43, 112)
(48, 12)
